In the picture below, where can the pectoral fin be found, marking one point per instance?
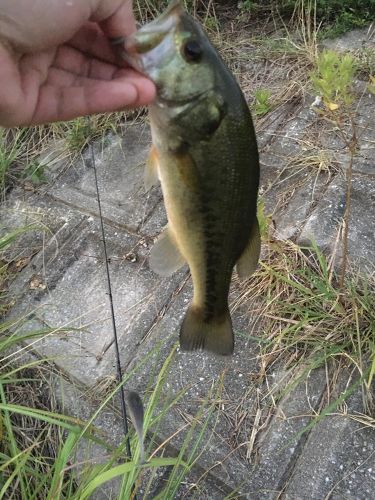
(248, 261)
(151, 176)
(165, 257)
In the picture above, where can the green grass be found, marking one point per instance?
(13, 145)
(334, 16)
(20, 153)
(39, 444)
(145, 10)
(262, 102)
(308, 320)
(22, 149)
(80, 132)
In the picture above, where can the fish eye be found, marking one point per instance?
(192, 51)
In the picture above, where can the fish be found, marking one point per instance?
(204, 153)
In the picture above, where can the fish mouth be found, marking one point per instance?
(153, 43)
(144, 48)
(163, 101)
(138, 48)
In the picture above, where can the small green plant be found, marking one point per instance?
(264, 219)
(371, 85)
(212, 23)
(333, 78)
(262, 101)
(35, 173)
(20, 150)
(248, 5)
(79, 132)
(10, 237)
(345, 21)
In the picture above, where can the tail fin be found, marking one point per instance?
(215, 335)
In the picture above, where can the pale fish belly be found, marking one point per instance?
(182, 204)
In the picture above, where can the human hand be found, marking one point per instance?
(56, 62)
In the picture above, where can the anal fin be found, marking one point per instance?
(248, 261)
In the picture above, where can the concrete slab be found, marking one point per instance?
(232, 454)
(289, 220)
(65, 286)
(287, 141)
(330, 470)
(363, 116)
(355, 39)
(194, 375)
(77, 402)
(284, 438)
(338, 460)
(156, 222)
(309, 205)
(270, 127)
(120, 165)
(326, 220)
(48, 224)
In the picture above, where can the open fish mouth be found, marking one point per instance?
(188, 100)
(137, 50)
(145, 48)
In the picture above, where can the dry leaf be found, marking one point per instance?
(21, 263)
(332, 106)
(36, 283)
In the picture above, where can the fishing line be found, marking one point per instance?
(115, 337)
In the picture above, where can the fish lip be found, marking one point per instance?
(171, 102)
(150, 36)
(132, 60)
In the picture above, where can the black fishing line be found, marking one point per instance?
(115, 337)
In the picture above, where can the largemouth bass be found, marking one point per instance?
(205, 155)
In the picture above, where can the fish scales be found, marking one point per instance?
(224, 210)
